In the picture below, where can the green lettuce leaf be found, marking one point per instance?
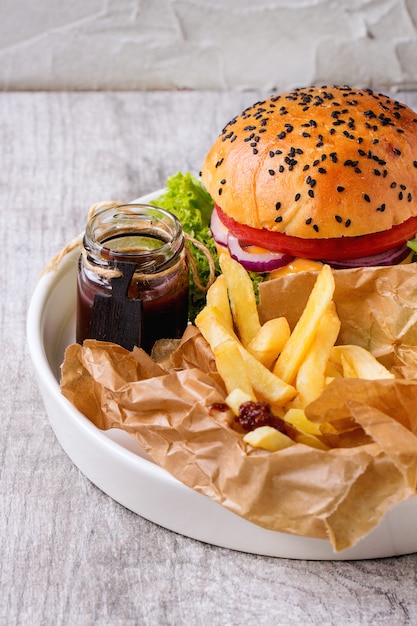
(412, 244)
(187, 199)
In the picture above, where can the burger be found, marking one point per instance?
(322, 174)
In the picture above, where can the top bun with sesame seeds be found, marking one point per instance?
(327, 173)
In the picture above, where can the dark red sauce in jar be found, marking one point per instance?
(152, 239)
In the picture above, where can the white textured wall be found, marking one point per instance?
(207, 44)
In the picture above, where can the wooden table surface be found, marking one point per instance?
(70, 554)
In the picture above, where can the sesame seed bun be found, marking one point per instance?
(317, 163)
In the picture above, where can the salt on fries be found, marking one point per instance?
(269, 363)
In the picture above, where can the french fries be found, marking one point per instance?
(218, 299)
(358, 363)
(267, 386)
(268, 438)
(232, 367)
(310, 380)
(269, 363)
(270, 340)
(236, 398)
(303, 334)
(242, 299)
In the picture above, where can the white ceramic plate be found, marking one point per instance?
(116, 464)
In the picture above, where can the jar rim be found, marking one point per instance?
(115, 221)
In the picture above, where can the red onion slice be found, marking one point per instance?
(218, 229)
(253, 261)
(390, 257)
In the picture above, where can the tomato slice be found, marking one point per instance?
(332, 249)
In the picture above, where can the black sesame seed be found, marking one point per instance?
(316, 162)
(403, 187)
(306, 167)
(393, 185)
(223, 181)
(311, 193)
(339, 188)
(281, 168)
(316, 228)
(396, 151)
(409, 197)
(415, 163)
(309, 220)
(297, 196)
(381, 208)
(278, 219)
(271, 172)
(322, 170)
(377, 173)
(348, 223)
(271, 153)
(278, 206)
(220, 191)
(338, 218)
(366, 197)
(400, 195)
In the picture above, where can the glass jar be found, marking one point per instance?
(150, 238)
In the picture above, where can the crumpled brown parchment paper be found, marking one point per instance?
(341, 494)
